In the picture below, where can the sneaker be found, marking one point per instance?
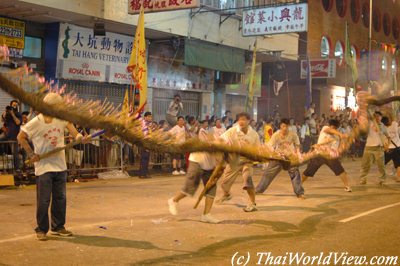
(348, 189)
(363, 182)
(173, 206)
(224, 198)
(301, 197)
(251, 207)
(175, 172)
(182, 172)
(62, 232)
(41, 236)
(208, 218)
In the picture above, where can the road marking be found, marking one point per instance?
(368, 212)
(72, 228)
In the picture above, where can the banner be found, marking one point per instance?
(160, 5)
(138, 62)
(78, 46)
(323, 68)
(274, 20)
(12, 34)
(249, 100)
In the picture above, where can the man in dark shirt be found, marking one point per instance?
(12, 121)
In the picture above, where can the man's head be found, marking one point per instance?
(25, 117)
(243, 120)
(333, 123)
(378, 116)
(307, 121)
(284, 125)
(314, 116)
(181, 121)
(291, 121)
(204, 123)
(228, 113)
(177, 98)
(148, 116)
(14, 104)
(218, 123)
(312, 105)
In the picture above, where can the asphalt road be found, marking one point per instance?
(126, 222)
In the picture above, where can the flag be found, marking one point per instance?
(250, 88)
(137, 65)
(308, 85)
(349, 58)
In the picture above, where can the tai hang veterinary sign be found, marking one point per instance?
(273, 20)
(83, 56)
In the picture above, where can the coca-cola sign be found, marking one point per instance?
(322, 68)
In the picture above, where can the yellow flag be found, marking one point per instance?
(137, 63)
(249, 103)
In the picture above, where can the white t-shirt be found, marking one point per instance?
(204, 159)
(235, 136)
(179, 133)
(393, 131)
(218, 131)
(313, 126)
(374, 135)
(328, 139)
(174, 108)
(46, 137)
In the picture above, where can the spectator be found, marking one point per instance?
(175, 108)
(311, 110)
(147, 127)
(313, 128)
(305, 135)
(12, 122)
(292, 126)
(179, 133)
(228, 118)
(25, 117)
(218, 129)
(268, 130)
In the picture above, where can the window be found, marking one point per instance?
(365, 14)
(327, 4)
(355, 10)
(341, 7)
(377, 20)
(339, 52)
(394, 66)
(386, 24)
(396, 28)
(33, 47)
(384, 65)
(325, 47)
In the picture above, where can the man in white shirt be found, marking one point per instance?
(374, 150)
(282, 141)
(201, 166)
(218, 129)
(179, 133)
(329, 136)
(305, 136)
(243, 135)
(46, 134)
(393, 153)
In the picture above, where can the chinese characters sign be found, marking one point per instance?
(12, 34)
(83, 56)
(273, 20)
(324, 68)
(160, 5)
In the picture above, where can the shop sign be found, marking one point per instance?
(12, 34)
(274, 20)
(78, 47)
(160, 5)
(323, 68)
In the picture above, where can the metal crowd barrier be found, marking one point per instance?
(8, 157)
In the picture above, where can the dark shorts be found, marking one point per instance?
(393, 154)
(193, 177)
(177, 156)
(335, 165)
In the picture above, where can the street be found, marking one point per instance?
(126, 222)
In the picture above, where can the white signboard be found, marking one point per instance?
(119, 75)
(78, 47)
(274, 20)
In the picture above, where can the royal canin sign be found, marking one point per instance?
(321, 68)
